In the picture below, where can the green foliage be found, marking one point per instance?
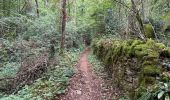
(9, 70)
(96, 64)
(159, 92)
(53, 82)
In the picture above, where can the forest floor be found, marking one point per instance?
(85, 84)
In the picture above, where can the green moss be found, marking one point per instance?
(160, 45)
(141, 50)
(153, 54)
(136, 42)
(140, 54)
(130, 49)
(149, 32)
(151, 70)
(150, 42)
(147, 62)
(146, 50)
(164, 77)
(140, 58)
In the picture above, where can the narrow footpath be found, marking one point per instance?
(85, 85)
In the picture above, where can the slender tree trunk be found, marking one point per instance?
(120, 11)
(28, 6)
(143, 10)
(63, 26)
(120, 16)
(139, 20)
(46, 3)
(37, 8)
(9, 8)
(69, 8)
(18, 9)
(4, 8)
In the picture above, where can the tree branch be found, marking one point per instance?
(123, 4)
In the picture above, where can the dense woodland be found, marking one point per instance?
(42, 40)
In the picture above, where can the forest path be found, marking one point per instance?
(84, 85)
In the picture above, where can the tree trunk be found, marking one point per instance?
(69, 8)
(120, 15)
(143, 10)
(28, 6)
(9, 8)
(18, 7)
(37, 8)
(4, 8)
(63, 25)
(139, 20)
(46, 3)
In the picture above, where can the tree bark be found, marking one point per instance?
(46, 3)
(143, 10)
(28, 6)
(63, 25)
(139, 20)
(9, 8)
(4, 8)
(37, 8)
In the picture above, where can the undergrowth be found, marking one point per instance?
(96, 64)
(53, 82)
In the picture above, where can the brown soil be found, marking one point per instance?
(85, 85)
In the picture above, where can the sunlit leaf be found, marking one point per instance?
(161, 94)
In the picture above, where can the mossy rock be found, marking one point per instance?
(141, 54)
(160, 45)
(132, 57)
(130, 47)
(150, 42)
(151, 70)
(148, 50)
(141, 50)
(150, 62)
(153, 55)
(136, 42)
(149, 32)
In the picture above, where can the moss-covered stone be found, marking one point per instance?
(148, 62)
(151, 70)
(132, 63)
(149, 32)
(160, 45)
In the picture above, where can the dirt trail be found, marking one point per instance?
(84, 85)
